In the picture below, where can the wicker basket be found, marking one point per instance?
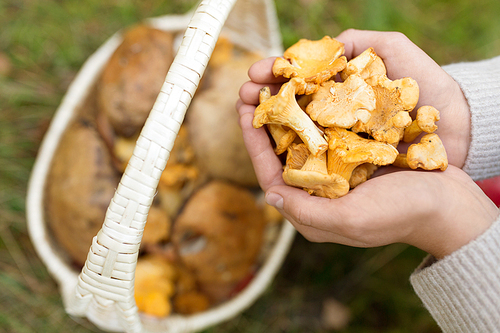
(104, 290)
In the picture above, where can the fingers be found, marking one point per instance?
(261, 75)
(401, 56)
(249, 91)
(266, 164)
(384, 42)
(261, 72)
(320, 219)
(360, 218)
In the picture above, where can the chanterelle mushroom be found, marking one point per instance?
(391, 116)
(314, 61)
(429, 154)
(282, 109)
(347, 150)
(342, 104)
(312, 175)
(282, 136)
(424, 122)
(361, 174)
(367, 64)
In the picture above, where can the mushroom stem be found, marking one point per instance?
(347, 150)
(401, 161)
(282, 136)
(337, 165)
(312, 174)
(282, 109)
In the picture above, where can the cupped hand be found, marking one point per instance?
(402, 59)
(435, 211)
(405, 59)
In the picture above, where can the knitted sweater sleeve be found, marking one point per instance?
(480, 83)
(462, 291)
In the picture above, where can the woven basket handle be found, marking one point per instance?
(106, 284)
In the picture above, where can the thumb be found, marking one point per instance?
(302, 208)
(317, 219)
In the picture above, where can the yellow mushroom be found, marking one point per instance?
(429, 154)
(282, 135)
(314, 61)
(401, 161)
(395, 99)
(367, 64)
(282, 109)
(312, 176)
(361, 174)
(347, 150)
(424, 122)
(342, 104)
(154, 285)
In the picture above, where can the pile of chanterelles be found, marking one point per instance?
(339, 120)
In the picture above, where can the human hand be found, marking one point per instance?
(438, 89)
(435, 211)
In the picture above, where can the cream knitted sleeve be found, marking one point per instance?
(462, 291)
(480, 82)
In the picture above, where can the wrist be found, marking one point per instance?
(463, 222)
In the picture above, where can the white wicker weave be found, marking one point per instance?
(104, 290)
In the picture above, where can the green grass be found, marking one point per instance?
(47, 42)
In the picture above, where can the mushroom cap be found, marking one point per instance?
(282, 109)
(387, 123)
(342, 104)
(424, 122)
(429, 154)
(361, 174)
(367, 64)
(219, 235)
(133, 77)
(314, 61)
(354, 149)
(214, 133)
(426, 118)
(309, 172)
(315, 183)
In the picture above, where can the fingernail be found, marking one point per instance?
(274, 199)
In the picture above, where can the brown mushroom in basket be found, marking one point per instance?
(80, 185)
(347, 150)
(133, 77)
(314, 61)
(157, 228)
(218, 237)
(309, 172)
(342, 104)
(424, 122)
(282, 109)
(395, 99)
(214, 132)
